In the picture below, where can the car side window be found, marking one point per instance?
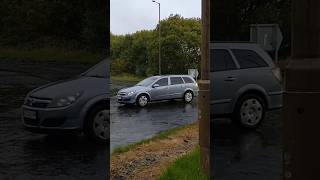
(248, 59)
(176, 80)
(221, 60)
(187, 80)
(163, 82)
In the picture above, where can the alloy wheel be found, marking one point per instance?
(101, 124)
(188, 97)
(143, 101)
(251, 112)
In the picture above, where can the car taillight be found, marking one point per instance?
(277, 73)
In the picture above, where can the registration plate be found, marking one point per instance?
(30, 114)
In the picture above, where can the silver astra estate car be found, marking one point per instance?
(159, 88)
(78, 105)
(245, 83)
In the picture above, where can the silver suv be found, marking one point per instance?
(80, 104)
(159, 88)
(245, 83)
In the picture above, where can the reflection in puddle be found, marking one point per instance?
(243, 154)
(65, 155)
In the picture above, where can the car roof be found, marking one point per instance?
(173, 76)
(246, 46)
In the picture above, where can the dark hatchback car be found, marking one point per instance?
(80, 104)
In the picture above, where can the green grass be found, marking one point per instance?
(161, 135)
(126, 78)
(185, 168)
(51, 54)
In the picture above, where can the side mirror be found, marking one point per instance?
(156, 86)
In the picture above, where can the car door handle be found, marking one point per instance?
(230, 78)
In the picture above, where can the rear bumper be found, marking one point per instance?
(275, 100)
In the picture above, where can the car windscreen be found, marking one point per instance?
(99, 70)
(147, 82)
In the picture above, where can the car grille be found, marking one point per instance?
(53, 122)
(31, 122)
(122, 94)
(37, 102)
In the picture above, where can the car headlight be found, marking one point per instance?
(131, 93)
(65, 100)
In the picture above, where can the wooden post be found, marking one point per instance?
(301, 120)
(204, 93)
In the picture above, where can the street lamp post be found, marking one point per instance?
(159, 36)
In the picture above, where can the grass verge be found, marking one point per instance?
(187, 167)
(161, 135)
(149, 159)
(51, 54)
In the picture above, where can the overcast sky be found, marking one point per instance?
(128, 16)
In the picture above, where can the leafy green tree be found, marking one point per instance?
(180, 44)
(180, 48)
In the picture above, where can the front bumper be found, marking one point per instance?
(126, 99)
(51, 120)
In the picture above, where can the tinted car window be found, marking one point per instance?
(163, 82)
(249, 59)
(221, 60)
(187, 80)
(176, 80)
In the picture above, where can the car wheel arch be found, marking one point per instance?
(189, 90)
(259, 92)
(90, 120)
(144, 93)
(91, 107)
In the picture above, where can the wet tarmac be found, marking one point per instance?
(131, 124)
(247, 155)
(29, 156)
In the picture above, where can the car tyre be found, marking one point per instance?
(97, 124)
(142, 100)
(250, 111)
(188, 97)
